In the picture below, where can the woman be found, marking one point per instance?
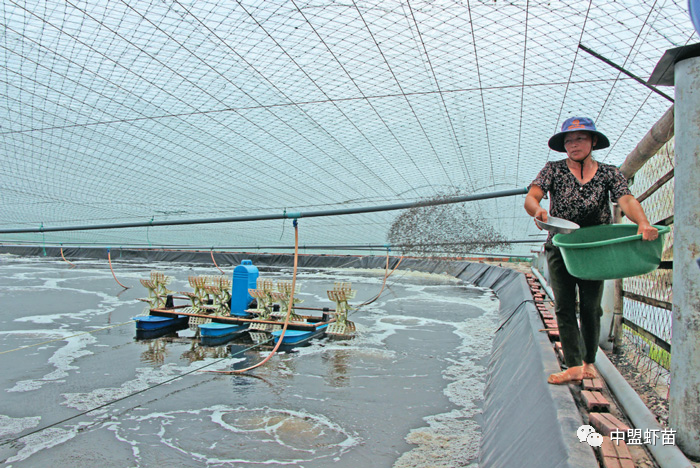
(581, 190)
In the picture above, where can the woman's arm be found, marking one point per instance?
(532, 204)
(634, 211)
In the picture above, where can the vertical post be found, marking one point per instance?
(684, 396)
(619, 309)
(618, 302)
(607, 321)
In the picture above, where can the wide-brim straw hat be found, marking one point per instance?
(577, 124)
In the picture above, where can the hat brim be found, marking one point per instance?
(557, 141)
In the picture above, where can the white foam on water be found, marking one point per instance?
(371, 338)
(41, 334)
(442, 294)
(449, 442)
(260, 436)
(145, 378)
(47, 319)
(359, 347)
(42, 284)
(307, 397)
(62, 359)
(369, 342)
(438, 277)
(114, 426)
(452, 438)
(42, 440)
(362, 279)
(10, 425)
(105, 305)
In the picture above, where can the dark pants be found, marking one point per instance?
(577, 344)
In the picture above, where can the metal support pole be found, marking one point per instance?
(284, 215)
(618, 315)
(607, 321)
(656, 137)
(616, 332)
(684, 396)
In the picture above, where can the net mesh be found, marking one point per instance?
(652, 361)
(128, 111)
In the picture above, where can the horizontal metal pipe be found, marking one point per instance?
(19, 243)
(543, 282)
(663, 344)
(648, 300)
(285, 215)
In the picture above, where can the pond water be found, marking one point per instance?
(79, 390)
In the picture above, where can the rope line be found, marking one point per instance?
(525, 301)
(357, 309)
(286, 318)
(64, 258)
(148, 239)
(43, 239)
(386, 276)
(212, 258)
(109, 257)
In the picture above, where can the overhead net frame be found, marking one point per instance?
(145, 111)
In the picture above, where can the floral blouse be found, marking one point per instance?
(585, 204)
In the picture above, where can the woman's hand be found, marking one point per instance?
(633, 210)
(648, 232)
(541, 214)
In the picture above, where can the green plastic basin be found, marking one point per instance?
(610, 251)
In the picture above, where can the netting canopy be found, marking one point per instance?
(133, 111)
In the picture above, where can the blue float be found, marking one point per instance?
(217, 334)
(217, 330)
(299, 337)
(153, 322)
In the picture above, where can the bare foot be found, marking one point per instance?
(589, 371)
(572, 374)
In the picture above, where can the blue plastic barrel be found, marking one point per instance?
(245, 277)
